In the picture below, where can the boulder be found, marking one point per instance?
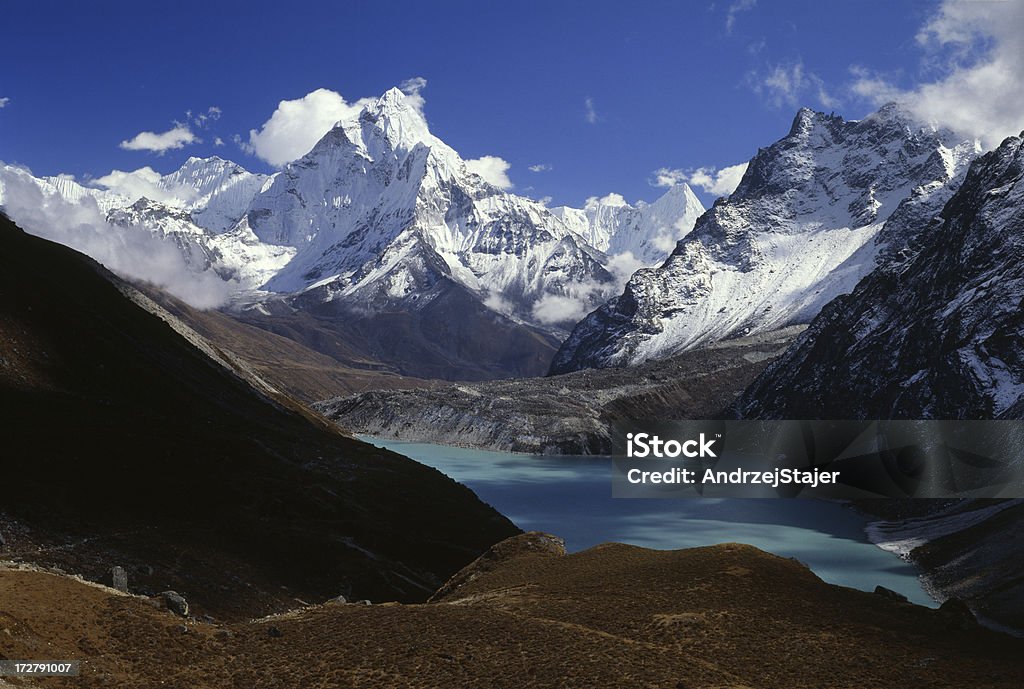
(119, 578)
(175, 602)
(890, 594)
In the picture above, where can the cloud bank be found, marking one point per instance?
(612, 199)
(552, 309)
(132, 252)
(412, 88)
(143, 182)
(718, 182)
(979, 49)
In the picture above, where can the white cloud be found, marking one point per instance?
(218, 141)
(718, 182)
(575, 302)
(545, 200)
(493, 169)
(590, 114)
(978, 46)
(540, 167)
(623, 265)
(873, 87)
(667, 177)
(495, 302)
(734, 9)
(143, 182)
(712, 180)
(412, 88)
(203, 119)
(665, 241)
(790, 85)
(133, 252)
(297, 125)
(611, 199)
(558, 308)
(174, 138)
(4, 102)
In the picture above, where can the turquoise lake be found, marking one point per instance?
(571, 497)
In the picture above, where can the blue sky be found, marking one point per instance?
(675, 85)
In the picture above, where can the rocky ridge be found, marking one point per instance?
(814, 213)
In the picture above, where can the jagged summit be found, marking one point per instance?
(938, 335)
(379, 198)
(648, 232)
(382, 217)
(808, 220)
(216, 191)
(806, 120)
(395, 119)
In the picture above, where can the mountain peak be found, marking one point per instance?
(212, 162)
(808, 214)
(192, 160)
(393, 95)
(400, 121)
(681, 190)
(946, 343)
(395, 104)
(893, 115)
(806, 120)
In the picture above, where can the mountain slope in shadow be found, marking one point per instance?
(128, 442)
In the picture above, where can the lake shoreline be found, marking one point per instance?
(571, 496)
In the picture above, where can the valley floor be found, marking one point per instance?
(526, 615)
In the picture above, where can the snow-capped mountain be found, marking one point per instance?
(379, 225)
(236, 255)
(381, 209)
(647, 231)
(217, 192)
(814, 213)
(209, 191)
(939, 335)
(64, 187)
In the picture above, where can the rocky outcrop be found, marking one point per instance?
(175, 602)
